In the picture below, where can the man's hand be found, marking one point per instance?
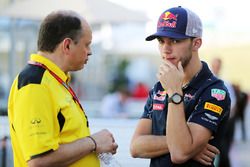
(207, 155)
(170, 76)
(105, 142)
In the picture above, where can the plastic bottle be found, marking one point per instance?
(108, 160)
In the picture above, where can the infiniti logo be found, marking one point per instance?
(35, 121)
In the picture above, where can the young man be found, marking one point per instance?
(187, 109)
(48, 125)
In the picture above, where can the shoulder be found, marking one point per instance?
(30, 75)
(217, 90)
(157, 87)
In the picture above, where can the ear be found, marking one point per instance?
(197, 43)
(66, 45)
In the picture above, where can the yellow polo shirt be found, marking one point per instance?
(42, 114)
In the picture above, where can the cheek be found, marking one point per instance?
(85, 53)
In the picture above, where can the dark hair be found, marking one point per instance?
(56, 27)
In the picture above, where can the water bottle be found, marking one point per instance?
(108, 160)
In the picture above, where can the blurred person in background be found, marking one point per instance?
(188, 107)
(48, 126)
(240, 108)
(140, 91)
(114, 105)
(223, 160)
(216, 66)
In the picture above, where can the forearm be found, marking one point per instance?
(149, 146)
(65, 155)
(178, 135)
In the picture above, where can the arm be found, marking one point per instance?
(146, 145)
(184, 140)
(67, 154)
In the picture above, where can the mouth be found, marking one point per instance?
(171, 59)
(86, 61)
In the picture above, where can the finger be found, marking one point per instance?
(113, 152)
(213, 149)
(160, 71)
(180, 67)
(210, 154)
(169, 64)
(204, 162)
(158, 76)
(115, 146)
(211, 138)
(206, 158)
(163, 68)
(113, 139)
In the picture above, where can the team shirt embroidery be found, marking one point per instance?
(211, 116)
(219, 94)
(213, 107)
(158, 106)
(160, 95)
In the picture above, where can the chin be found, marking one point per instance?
(82, 67)
(77, 68)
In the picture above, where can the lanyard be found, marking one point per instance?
(70, 90)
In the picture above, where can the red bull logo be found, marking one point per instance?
(169, 16)
(167, 19)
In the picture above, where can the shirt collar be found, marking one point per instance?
(51, 66)
(203, 75)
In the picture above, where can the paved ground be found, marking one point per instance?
(123, 130)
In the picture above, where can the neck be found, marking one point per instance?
(192, 69)
(55, 58)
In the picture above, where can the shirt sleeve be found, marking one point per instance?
(148, 106)
(34, 123)
(212, 108)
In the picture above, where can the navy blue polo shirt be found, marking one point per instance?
(206, 102)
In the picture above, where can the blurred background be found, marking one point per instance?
(122, 69)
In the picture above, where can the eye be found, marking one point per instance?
(160, 40)
(174, 41)
(88, 45)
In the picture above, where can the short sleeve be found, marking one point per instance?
(212, 108)
(35, 121)
(148, 106)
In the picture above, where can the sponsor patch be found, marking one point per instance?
(209, 121)
(213, 107)
(158, 106)
(162, 92)
(219, 94)
(211, 116)
(188, 97)
(159, 97)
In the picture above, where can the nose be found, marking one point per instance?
(167, 47)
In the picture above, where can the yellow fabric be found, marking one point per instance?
(33, 111)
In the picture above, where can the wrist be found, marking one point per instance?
(175, 98)
(173, 91)
(94, 143)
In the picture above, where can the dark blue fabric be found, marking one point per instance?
(196, 94)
